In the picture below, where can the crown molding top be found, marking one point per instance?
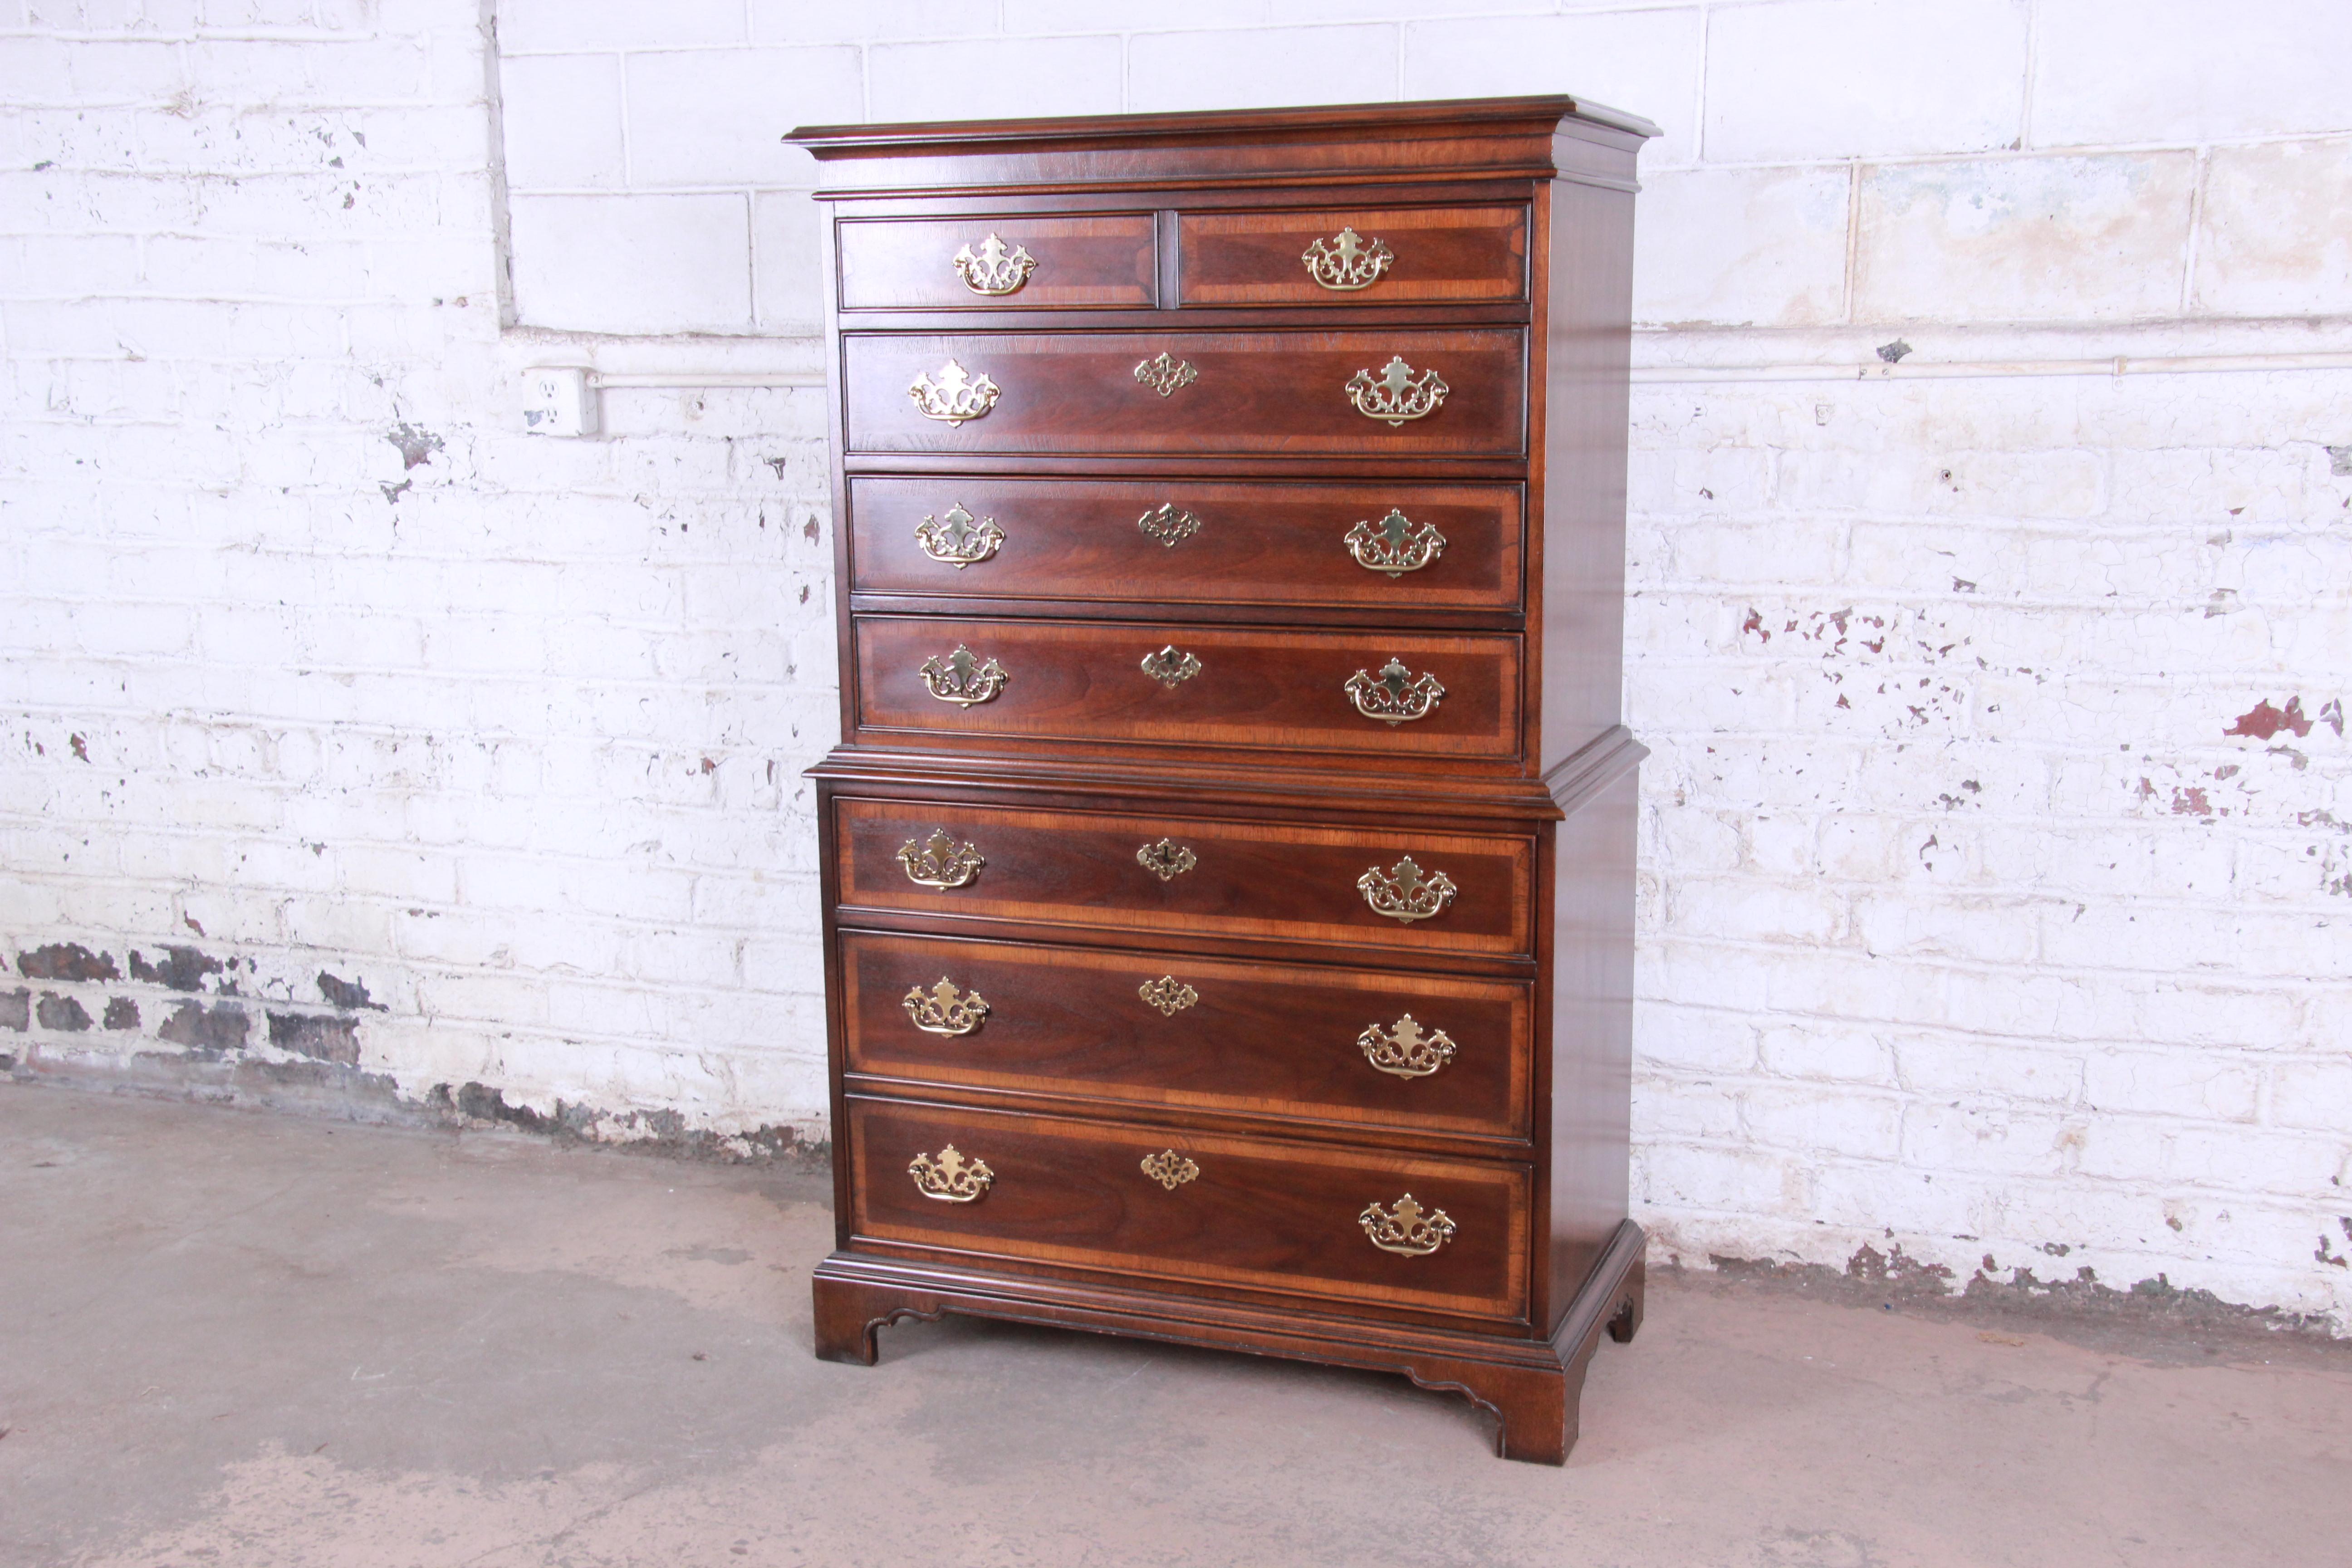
(1478, 138)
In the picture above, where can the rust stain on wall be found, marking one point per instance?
(206, 1032)
(67, 960)
(2261, 721)
(181, 969)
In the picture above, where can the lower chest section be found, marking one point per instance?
(1193, 1050)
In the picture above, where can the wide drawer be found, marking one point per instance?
(1210, 1210)
(1351, 392)
(1179, 875)
(1389, 695)
(1378, 256)
(1423, 1053)
(1393, 546)
(1003, 261)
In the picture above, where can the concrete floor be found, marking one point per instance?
(233, 1339)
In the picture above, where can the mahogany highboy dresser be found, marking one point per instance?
(1229, 860)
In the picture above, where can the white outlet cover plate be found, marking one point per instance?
(558, 401)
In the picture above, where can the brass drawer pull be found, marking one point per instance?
(1395, 696)
(1398, 394)
(939, 861)
(1346, 263)
(1168, 524)
(942, 1011)
(957, 395)
(950, 1178)
(1169, 995)
(1166, 860)
(1408, 1228)
(1393, 544)
(1170, 667)
(1404, 892)
(961, 678)
(1407, 1050)
(995, 270)
(1169, 1169)
(959, 544)
(1164, 376)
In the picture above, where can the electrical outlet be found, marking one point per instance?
(556, 401)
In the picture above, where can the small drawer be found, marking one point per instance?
(1188, 876)
(1424, 1234)
(1004, 261)
(1364, 694)
(1397, 393)
(1394, 255)
(1423, 1053)
(1392, 547)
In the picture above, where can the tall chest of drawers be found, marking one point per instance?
(1229, 859)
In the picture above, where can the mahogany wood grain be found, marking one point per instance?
(1251, 392)
(1510, 226)
(1590, 1076)
(1260, 1039)
(1261, 1212)
(1389, 144)
(1249, 878)
(1271, 545)
(1581, 592)
(1449, 254)
(1082, 259)
(1256, 690)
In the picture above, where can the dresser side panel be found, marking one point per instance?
(1587, 356)
(1591, 1032)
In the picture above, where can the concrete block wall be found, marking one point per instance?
(1991, 501)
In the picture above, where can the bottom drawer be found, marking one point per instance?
(1428, 1233)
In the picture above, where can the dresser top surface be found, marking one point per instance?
(1481, 137)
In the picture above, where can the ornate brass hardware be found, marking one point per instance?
(1408, 1228)
(957, 395)
(962, 678)
(957, 542)
(1170, 667)
(1169, 1169)
(1395, 696)
(1347, 263)
(1407, 1050)
(950, 1178)
(1393, 544)
(995, 270)
(1399, 395)
(1165, 523)
(939, 861)
(1166, 860)
(1403, 892)
(1164, 376)
(1168, 994)
(942, 1011)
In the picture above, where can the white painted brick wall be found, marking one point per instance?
(1997, 841)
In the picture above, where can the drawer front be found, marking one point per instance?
(1363, 256)
(1456, 696)
(1421, 1052)
(1243, 1212)
(1291, 393)
(1038, 262)
(1280, 881)
(1393, 547)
